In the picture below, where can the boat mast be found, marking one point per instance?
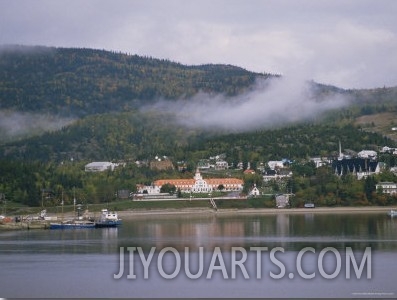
(74, 201)
(62, 204)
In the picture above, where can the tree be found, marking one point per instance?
(369, 187)
(168, 188)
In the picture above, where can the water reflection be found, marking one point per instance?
(42, 261)
(290, 231)
(109, 239)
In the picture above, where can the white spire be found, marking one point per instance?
(340, 157)
(197, 176)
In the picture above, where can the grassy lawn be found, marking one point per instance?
(174, 204)
(17, 209)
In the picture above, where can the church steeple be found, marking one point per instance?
(340, 157)
(198, 176)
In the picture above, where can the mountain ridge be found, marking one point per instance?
(79, 82)
(84, 121)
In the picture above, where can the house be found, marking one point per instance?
(284, 173)
(203, 164)
(249, 171)
(360, 167)
(261, 167)
(221, 165)
(182, 166)
(387, 187)
(274, 164)
(161, 165)
(367, 154)
(147, 189)
(269, 175)
(100, 166)
(221, 156)
(282, 201)
(387, 149)
(276, 174)
(254, 192)
(320, 161)
(393, 170)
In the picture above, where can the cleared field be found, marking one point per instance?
(380, 123)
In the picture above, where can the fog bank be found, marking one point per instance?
(270, 103)
(21, 124)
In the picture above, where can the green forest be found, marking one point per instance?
(103, 92)
(81, 82)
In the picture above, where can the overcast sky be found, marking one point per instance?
(347, 43)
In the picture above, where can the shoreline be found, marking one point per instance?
(202, 211)
(209, 212)
(253, 211)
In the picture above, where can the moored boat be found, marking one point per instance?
(392, 213)
(108, 219)
(73, 224)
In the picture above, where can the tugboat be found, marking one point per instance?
(108, 219)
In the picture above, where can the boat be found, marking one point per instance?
(392, 213)
(78, 222)
(108, 219)
(73, 224)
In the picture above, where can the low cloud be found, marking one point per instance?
(18, 124)
(270, 104)
(350, 44)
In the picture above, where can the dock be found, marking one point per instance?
(24, 225)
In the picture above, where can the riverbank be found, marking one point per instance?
(257, 211)
(24, 225)
(202, 211)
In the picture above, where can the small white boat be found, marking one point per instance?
(392, 213)
(108, 219)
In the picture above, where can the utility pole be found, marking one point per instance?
(74, 200)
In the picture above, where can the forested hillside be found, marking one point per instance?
(104, 92)
(80, 82)
(135, 135)
(95, 97)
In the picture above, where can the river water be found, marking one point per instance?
(207, 255)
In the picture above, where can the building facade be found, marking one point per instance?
(387, 187)
(197, 184)
(100, 166)
(360, 167)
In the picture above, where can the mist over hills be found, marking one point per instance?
(94, 104)
(43, 88)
